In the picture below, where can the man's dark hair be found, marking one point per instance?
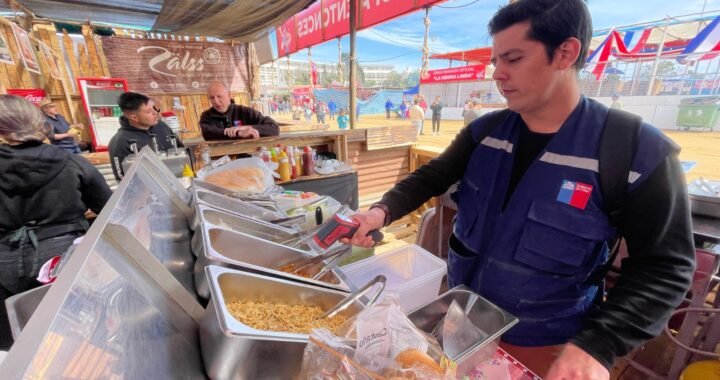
(132, 101)
(552, 22)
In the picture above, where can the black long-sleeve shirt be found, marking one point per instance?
(213, 123)
(657, 228)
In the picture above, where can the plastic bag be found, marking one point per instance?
(245, 175)
(378, 343)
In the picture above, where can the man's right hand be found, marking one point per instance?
(373, 219)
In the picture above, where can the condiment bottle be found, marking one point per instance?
(298, 161)
(284, 168)
(308, 162)
(187, 171)
(293, 168)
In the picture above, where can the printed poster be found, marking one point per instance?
(50, 60)
(26, 49)
(5, 56)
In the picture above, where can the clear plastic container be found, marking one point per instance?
(412, 272)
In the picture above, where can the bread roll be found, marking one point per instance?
(248, 180)
(412, 358)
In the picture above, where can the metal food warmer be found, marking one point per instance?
(130, 302)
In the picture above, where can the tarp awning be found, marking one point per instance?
(240, 19)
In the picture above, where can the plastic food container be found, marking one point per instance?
(412, 272)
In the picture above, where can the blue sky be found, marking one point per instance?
(462, 24)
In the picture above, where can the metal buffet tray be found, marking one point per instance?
(490, 319)
(232, 205)
(233, 350)
(704, 197)
(226, 247)
(260, 201)
(20, 308)
(257, 228)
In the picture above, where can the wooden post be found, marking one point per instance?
(353, 64)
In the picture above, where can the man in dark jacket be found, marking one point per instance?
(139, 122)
(44, 193)
(226, 120)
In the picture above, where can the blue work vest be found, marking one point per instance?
(536, 257)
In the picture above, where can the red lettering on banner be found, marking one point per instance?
(455, 74)
(303, 29)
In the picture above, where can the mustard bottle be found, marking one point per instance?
(284, 168)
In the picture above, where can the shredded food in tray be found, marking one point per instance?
(282, 317)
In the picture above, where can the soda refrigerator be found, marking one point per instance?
(99, 97)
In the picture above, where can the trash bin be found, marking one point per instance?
(698, 112)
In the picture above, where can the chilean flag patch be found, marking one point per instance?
(575, 194)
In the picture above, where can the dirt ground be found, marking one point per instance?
(701, 147)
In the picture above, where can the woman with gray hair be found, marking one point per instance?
(44, 193)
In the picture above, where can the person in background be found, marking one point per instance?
(138, 122)
(62, 134)
(320, 112)
(422, 104)
(471, 113)
(616, 103)
(532, 224)
(44, 194)
(343, 119)
(417, 115)
(436, 108)
(403, 110)
(388, 108)
(308, 112)
(227, 121)
(332, 109)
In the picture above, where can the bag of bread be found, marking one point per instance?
(245, 175)
(378, 343)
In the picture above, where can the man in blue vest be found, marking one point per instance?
(531, 230)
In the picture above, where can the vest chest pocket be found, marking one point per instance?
(470, 204)
(560, 239)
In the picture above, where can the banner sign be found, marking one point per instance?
(34, 95)
(455, 74)
(299, 92)
(329, 19)
(162, 66)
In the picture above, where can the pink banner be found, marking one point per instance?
(455, 74)
(328, 19)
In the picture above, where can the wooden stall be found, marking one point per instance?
(381, 155)
(85, 58)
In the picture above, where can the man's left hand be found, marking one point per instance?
(243, 131)
(574, 363)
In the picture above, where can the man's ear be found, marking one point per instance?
(567, 53)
